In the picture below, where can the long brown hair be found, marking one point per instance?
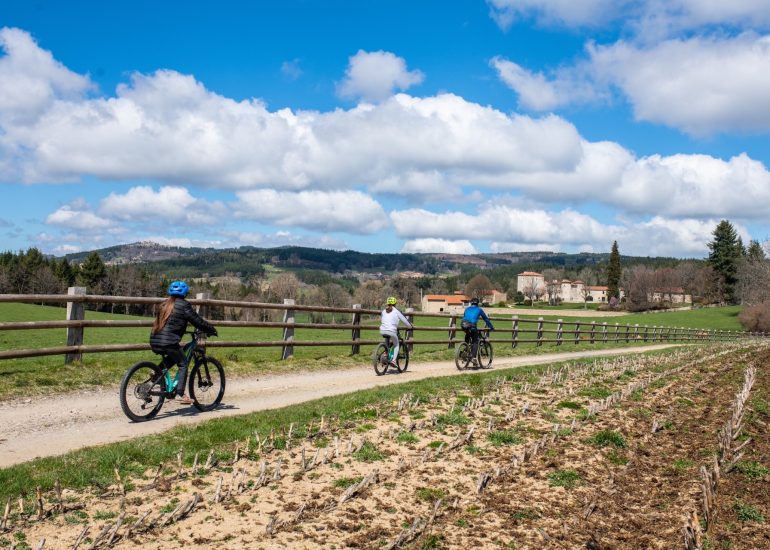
(164, 312)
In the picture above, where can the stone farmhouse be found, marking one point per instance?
(457, 302)
(531, 282)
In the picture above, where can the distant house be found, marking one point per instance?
(672, 295)
(457, 302)
(445, 303)
(565, 290)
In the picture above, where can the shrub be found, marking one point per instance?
(756, 318)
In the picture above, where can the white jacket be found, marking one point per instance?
(389, 321)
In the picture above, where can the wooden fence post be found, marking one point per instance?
(577, 332)
(356, 332)
(76, 311)
(628, 330)
(452, 331)
(409, 333)
(539, 331)
(515, 332)
(617, 332)
(636, 331)
(646, 328)
(203, 309)
(559, 328)
(593, 332)
(604, 332)
(288, 332)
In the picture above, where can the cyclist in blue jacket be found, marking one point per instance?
(468, 324)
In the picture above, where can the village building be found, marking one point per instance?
(457, 302)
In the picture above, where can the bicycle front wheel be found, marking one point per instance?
(207, 383)
(142, 391)
(485, 354)
(462, 355)
(380, 359)
(403, 357)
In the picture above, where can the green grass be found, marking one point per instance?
(506, 437)
(746, 512)
(564, 478)
(430, 494)
(369, 453)
(345, 482)
(607, 438)
(41, 375)
(407, 437)
(752, 470)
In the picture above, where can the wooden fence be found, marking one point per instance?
(510, 330)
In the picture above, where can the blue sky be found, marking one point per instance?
(475, 126)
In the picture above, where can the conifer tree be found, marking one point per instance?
(725, 256)
(614, 272)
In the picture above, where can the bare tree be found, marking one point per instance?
(371, 295)
(553, 279)
(283, 285)
(479, 286)
(588, 277)
(640, 285)
(532, 290)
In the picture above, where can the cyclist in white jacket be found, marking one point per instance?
(389, 325)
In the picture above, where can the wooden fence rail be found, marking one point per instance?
(535, 331)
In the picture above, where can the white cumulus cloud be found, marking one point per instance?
(168, 205)
(77, 217)
(373, 76)
(348, 211)
(446, 246)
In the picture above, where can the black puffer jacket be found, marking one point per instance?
(176, 325)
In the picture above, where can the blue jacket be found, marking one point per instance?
(472, 314)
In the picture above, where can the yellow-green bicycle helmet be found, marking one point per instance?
(391, 301)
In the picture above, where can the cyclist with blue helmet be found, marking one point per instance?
(170, 325)
(389, 320)
(469, 322)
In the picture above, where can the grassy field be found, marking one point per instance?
(42, 375)
(93, 467)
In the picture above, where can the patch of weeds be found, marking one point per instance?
(337, 466)
(364, 413)
(549, 414)
(345, 482)
(760, 406)
(638, 395)
(368, 453)
(605, 438)
(682, 464)
(595, 392)
(641, 412)
(563, 432)
(407, 437)
(77, 516)
(564, 478)
(660, 383)
(432, 541)
(569, 405)
(430, 494)
(365, 428)
(747, 512)
(321, 442)
(389, 485)
(473, 450)
(525, 513)
(504, 437)
(170, 506)
(685, 402)
(461, 522)
(462, 400)
(617, 458)
(452, 418)
(279, 443)
(435, 444)
(473, 510)
(751, 469)
(416, 415)
(104, 514)
(19, 536)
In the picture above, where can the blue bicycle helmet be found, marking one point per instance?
(178, 288)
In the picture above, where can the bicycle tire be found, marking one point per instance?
(204, 379)
(403, 358)
(380, 359)
(462, 356)
(485, 354)
(138, 393)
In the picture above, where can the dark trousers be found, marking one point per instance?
(173, 355)
(472, 336)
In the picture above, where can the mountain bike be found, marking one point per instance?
(146, 385)
(383, 355)
(483, 358)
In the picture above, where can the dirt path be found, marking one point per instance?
(41, 427)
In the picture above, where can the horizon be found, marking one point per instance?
(516, 127)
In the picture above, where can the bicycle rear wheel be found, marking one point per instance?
(462, 355)
(403, 357)
(142, 391)
(485, 354)
(207, 383)
(380, 359)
